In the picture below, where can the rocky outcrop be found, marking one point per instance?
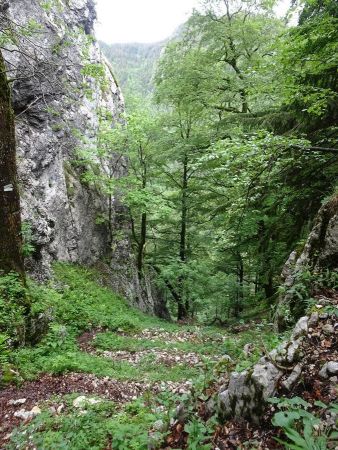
(66, 100)
(310, 354)
(321, 248)
(312, 351)
(320, 253)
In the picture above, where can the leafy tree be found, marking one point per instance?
(137, 141)
(310, 61)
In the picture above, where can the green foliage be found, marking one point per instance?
(223, 181)
(50, 5)
(305, 430)
(310, 57)
(97, 72)
(27, 237)
(4, 350)
(99, 425)
(306, 283)
(71, 430)
(130, 428)
(82, 304)
(198, 433)
(13, 303)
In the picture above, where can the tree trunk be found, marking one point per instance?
(269, 288)
(143, 233)
(110, 221)
(182, 312)
(242, 92)
(240, 280)
(183, 306)
(141, 244)
(11, 258)
(244, 100)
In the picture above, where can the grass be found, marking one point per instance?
(232, 346)
(77, 301)
(92, 428)
(31, 363)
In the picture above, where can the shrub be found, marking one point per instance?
(13, 307)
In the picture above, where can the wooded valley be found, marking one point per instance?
(169, 230)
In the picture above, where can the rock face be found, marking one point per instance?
(300, 360)
(57, 112)
(321, 248)
(66, 100)
(320, 252)
(248, 391)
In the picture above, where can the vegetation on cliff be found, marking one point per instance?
(231, 141)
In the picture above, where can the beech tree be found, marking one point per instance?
(11, 257)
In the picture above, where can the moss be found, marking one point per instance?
(68, 173)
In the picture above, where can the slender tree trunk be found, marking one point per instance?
(244, 99)
(11, 258)
(269, 288)
(110, 221)
(242, 92)
(183, 233)
(240, 280)
(256, 283)
(241, 283)
(143, 232)
(183, 306)
(141, 244)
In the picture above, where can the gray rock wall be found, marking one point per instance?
(66, 100)
(319, 253)
(60, 93)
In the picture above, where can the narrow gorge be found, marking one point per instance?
(168, 226)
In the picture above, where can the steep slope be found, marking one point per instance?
(136, 367)
(318, 257)
(134, 65)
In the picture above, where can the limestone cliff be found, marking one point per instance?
(320, 253)
(64, 94)
(303, 357)
(58, 110)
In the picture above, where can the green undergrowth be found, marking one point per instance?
(98, 426)
(76, 301)
(260, 336)
(79, 300)
(114, 342)
(32, 362)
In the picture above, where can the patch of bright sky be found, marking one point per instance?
(121, 21)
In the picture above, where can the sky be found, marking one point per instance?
(140, 20)
(143, 20)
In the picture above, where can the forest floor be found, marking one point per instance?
(109, 377)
